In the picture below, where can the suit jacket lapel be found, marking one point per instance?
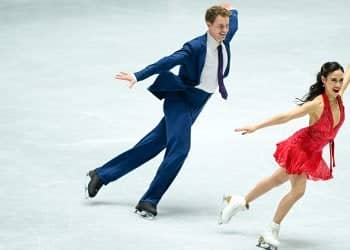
(202, 55)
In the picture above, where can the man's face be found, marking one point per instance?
(219, 28)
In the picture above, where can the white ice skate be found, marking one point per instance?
(231, 206)
(269, 239)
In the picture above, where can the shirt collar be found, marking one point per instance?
(211, 42)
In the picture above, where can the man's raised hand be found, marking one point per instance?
(227, 6)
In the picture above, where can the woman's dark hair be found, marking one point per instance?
(318, 87)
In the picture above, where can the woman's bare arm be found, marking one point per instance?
(346, 81)
(295, 113)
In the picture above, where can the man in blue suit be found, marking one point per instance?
(204, 62)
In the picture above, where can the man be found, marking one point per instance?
(204, 62)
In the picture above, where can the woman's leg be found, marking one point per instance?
(270, 236)
(234, 204)
(277, 178)
(298, 186)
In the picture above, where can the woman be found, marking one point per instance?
(299, 156)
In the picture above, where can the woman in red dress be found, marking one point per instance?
(300, 155)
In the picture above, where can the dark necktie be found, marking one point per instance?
(222, 88)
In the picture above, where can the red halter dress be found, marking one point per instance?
(302, 152)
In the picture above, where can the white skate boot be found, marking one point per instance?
(231, 206)
(269, 239)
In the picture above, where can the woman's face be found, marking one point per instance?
(333, 83)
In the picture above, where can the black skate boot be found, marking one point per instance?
(94, 185)
(146, 209)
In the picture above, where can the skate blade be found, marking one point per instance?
(86, 183)
(223, 205)
(264, 245)
(145, 215)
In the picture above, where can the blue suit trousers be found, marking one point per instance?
(172, 133)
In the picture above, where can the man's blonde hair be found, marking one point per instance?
(215, 11)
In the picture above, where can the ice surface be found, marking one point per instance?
(62, 114)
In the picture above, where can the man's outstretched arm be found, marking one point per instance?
(164, 64)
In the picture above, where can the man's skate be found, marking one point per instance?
(269, 239)
(231, 205)
(146, 210)
(93, 184)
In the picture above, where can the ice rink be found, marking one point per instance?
(62, 114)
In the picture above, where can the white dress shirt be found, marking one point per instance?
(209, 77)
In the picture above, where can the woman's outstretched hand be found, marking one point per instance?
(246, 129)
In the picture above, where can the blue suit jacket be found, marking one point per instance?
(191, 58)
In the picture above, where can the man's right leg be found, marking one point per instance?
(148, 147)
(178, 123)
